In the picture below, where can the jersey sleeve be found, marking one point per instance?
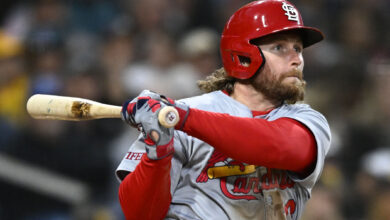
(319, 127)
(131, 159)
(139, 195)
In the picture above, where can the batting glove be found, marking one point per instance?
(129, 108)
(181, 107)
(142, 113)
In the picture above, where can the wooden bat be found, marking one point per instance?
(54, 107)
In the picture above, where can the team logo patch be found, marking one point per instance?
(237, 180)
(291, 13)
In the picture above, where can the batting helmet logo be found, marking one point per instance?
(291, 12)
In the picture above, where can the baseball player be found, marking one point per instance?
(243, 150)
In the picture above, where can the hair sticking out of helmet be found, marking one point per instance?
(240, 58)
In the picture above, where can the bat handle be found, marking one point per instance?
(168, 117)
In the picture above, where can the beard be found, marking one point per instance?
(274, 88)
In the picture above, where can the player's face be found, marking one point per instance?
(281, 77)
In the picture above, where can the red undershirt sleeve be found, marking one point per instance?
(282, 144)
(145, 192)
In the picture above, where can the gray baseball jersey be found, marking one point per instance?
(206, 184)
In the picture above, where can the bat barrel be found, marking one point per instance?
(41, 106)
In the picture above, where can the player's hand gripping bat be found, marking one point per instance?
(78, 109)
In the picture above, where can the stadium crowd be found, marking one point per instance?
(109, 51)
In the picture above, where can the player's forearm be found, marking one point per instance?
(145, 193)
(282, 144)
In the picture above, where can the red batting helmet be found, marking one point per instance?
(255, 20)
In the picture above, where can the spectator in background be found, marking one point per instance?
(14, 84)
(47, 67)
(368, 134)
(162, 70)
(199, 50)
(45, 44)
(370, 192)
(379, 208)
(116, 55)
(326, 202)
(74, 150)
(77, 151)
(150, 16)
(323, 205)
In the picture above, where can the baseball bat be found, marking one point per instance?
(54, 107)
(224, 171)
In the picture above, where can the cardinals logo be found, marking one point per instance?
(232, 168)
(291, 13)
(235, 179)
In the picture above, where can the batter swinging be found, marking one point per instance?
(243, 150)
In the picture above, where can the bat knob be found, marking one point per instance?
(168, 117)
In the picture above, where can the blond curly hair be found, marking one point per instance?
(218, 80)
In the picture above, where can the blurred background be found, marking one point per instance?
(109, 51)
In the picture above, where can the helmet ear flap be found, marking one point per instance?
(245, 61)
(241, 60)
